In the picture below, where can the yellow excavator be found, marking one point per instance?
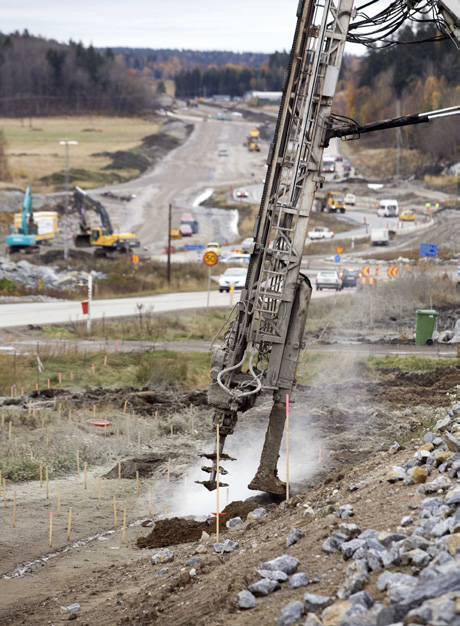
(105, 241)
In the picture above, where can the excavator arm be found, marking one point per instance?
(83, 203)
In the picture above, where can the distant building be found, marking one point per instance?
(264, 97)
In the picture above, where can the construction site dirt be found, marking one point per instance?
(340, 433)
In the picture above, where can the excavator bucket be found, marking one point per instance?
(82, 240)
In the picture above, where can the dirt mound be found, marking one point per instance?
(440, 378)
(170, 532)
(145, 466)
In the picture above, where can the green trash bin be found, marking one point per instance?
(426, 320)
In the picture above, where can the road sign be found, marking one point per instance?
(429, 250)
(392, 271)
(193, 246)
(337, 258)
(210, 258)
(366, 271)
(339, 250)
(458, 270)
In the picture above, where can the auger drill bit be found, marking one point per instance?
(211, 484)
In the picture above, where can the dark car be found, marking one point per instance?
(349, 277)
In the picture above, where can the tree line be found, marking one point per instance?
(44, 77)
(404, 79)
(232, 80)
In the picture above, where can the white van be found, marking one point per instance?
(388, 208)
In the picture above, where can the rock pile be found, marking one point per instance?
(29, 275)
(416, 568)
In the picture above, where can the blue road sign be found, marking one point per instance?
(337, 258)
(193, 246)
(428, 249)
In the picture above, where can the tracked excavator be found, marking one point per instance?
(262, 342)
(104, 239)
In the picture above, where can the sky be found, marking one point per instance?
(237, 25)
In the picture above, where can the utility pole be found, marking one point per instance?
(66, 224)
(168, 268)
(398, 139)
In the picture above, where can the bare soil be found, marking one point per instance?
(340, 434)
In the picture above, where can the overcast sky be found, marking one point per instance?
(239, 25)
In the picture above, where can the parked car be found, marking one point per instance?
(407, 216)
(349, 277)
(328, 280)
(213, 246)
(350, 199)
(247, 244)
(320, 232)
(235, 276)
(237, 259)
(242, 193)
(186, 230)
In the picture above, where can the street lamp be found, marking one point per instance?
(66, 226)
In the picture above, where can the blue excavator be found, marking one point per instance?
(23, 238)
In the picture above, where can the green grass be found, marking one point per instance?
(411, 363)
(183, 371)
(194, 326)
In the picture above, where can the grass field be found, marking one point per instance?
(33, 148)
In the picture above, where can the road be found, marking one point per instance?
(182, 176)
(67, 346)
(39, 313)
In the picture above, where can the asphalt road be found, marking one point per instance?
(39, 313)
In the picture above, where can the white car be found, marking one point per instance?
(350, 199)
(320, 232)
(241, 193)
(237, 259)
(235, 276)
(186, 230)
(328, 279)
(247, 244)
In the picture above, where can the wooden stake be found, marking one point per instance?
(14, 509)
(119, 468)
(105, 430)
(3, 420)
(41, 473)
(9, 430)
(100, 490)
(4, 493)
(54, 403)
(47, 484)
(51, 530)
(137, 482)
(125, 406)
(94, 410)
(70, 415)
(217, 483)
(156, 416)
(105, 359)
(69, 525)
(30, 407)
(78, 462)
(59, 502)
(86, 467)
(287, 447)
(124, 527)
(150, 504)
(169, 471)
(115, 513)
